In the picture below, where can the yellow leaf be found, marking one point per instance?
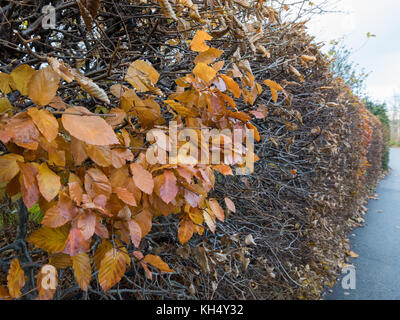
(198, 43)
(82, 270)
(204, 72)
(15, 279)
(157, 262)
(9, 167)
(112, 268)
(51, 240)
(43, 85)
(49, 183)
(45, 122)
(21, 77)
(101, 250)
(142, 76)
(181, 109)
(5, 83)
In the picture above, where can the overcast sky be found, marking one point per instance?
(380, 55)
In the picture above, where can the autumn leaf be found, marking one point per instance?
(169, 188)
(198, 43)
(90, 87)
(209, 219)
(142, 178)
(230, 205)
(144, 219)
(78, 151)
(274, 87)
(15, 279)
(231, 85)
(185, 231)
(112, 268)
(157, 262)
(21, 76)
(43, 85)
(49, 182)
(135, 232)
(53, 218)
(90, 129)
(82, 270)
(100, 252)
(75, 243)
(45, 122)
(204, 72)
(142, 76)
(64, 71)
(208, 56)
(126, 196)
(216, 209)
(51, 240)
(9, 167)
(86, 222)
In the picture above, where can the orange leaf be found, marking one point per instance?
(157, 262)
(9, 167)
(231, 85)
(112, 268)
(43, 85)
(224, 169)
(204, 72)
(15, 279)
(75, 243)
(86, 224)
(90, 129)
(185, 231)
(142, 178)
(78, 151)
(144, 219)
(101, 155)
(53, 218)
(49, 183)
(135, 232)
(216, 209)
(126, 196)
(198, 43)
(82, 270)
(208, 56)
(75, 191)
(45, 121)
(274, 87)
(169, 188)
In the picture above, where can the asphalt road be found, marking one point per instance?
(377, 269)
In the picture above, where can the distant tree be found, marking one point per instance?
(381, 111)
(343, 67)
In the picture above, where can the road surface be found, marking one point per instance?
(377, 268)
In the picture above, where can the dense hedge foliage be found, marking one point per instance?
(320, 150)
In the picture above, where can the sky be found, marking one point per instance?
(380, 55)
